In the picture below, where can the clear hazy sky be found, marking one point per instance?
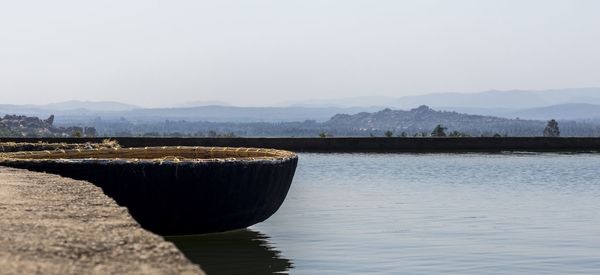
(246, 52)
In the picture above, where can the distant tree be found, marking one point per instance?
(30, 135)
(175, 134)
(228, 135)
(458, 134)
(388, 133)
(123, 134)
(551, 129)
(322, 135)
(403, 134)
(497, 135)
(9, 133)
(77, 134)
(89, 131)
(439, 131)
(151, 134)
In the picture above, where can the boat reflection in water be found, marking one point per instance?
(236, 252)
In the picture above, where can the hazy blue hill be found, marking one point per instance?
(489, 99)
(72, 109)
(30, 110)
(201, 103)
(513, 99)
(494, 99)
(499, 112)
(572, 111)
(77, 111)
(424, 118)
(361, 101)
(241, 114)
(89, 105)
(568, 111)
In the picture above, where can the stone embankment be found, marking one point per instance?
(55, 225)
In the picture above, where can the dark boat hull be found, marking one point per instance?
(172, 198)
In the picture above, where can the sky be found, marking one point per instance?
(260, 53)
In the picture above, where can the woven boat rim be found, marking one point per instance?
(242, 155)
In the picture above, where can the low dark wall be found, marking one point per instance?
(374, 144)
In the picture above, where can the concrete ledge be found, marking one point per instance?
(55, 225)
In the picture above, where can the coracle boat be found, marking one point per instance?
(178, 190)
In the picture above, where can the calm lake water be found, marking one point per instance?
(422, 214)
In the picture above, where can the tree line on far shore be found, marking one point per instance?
(551, 130)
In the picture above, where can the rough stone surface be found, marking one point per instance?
(55, 225)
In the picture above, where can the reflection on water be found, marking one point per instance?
(422, 214)
(237, 252)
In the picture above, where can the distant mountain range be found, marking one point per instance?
(567, 111)
(418, 121)
(218, 120)
(201, 113)
(572, 111)
(563, 104)
(493, 99)
(72, 105)
(89, 105)
(242, 114)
